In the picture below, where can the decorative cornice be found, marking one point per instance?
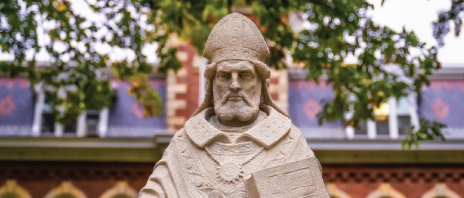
(83, 149)
(150, 150)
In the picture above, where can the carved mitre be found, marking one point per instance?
(235, 37)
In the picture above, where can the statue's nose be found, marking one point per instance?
(235, 86)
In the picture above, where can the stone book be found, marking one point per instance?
(296, 179)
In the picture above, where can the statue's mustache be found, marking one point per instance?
(230, 94)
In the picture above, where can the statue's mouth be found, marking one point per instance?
(235, 98)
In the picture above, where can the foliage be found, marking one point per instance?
(428, 130)
(454, 15)
(68, 43)
(335, 30)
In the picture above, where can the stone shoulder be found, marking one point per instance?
(178, 138)
(295, 132)
(301, 147)
(178, 134)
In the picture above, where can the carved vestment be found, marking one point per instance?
(203, 161)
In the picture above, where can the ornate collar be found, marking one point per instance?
(265, 133)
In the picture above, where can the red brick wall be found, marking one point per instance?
(192, 81)
(183, 89)
(412, 180)
(93, 178)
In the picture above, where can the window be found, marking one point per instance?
(70, 129)
(92, 123)
(120, 190)
(65, 190)
(335, 192)
(48, 118)
(404, 115)
(48, 125)
(385, 190)
(392, 119)
(362, 129)
(381, 118)
(12, 190)
(440, 190)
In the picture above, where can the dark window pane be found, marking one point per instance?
(48, 123)
(47, 103)
(92, 123)
(48, 118)
(382, 127)
(70, 128)
(404, 123)
(362, 130)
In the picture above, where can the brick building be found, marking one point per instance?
(111, 153)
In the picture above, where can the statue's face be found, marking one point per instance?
(236, 91)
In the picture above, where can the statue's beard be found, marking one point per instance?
(243, 110)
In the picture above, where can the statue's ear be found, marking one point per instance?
(210, 71)
(267, 82)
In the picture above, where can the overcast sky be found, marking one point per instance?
(417, 15)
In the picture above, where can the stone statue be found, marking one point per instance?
(238, 143)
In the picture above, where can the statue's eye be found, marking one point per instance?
(245, 75)
(224, 76)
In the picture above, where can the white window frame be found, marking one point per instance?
(102, 127)
(81, 126)
(38, 109)
(392, 119)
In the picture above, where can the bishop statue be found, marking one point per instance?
(238, 143)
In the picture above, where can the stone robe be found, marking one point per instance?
(203, 161)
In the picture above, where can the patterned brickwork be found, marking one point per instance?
(278, 88)
(443, 101)
(6, 106)
(16, 106)
(182, 89)
(306, 100)
(93, 178)
(412, 181)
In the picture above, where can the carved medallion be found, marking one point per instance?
(230, 172)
